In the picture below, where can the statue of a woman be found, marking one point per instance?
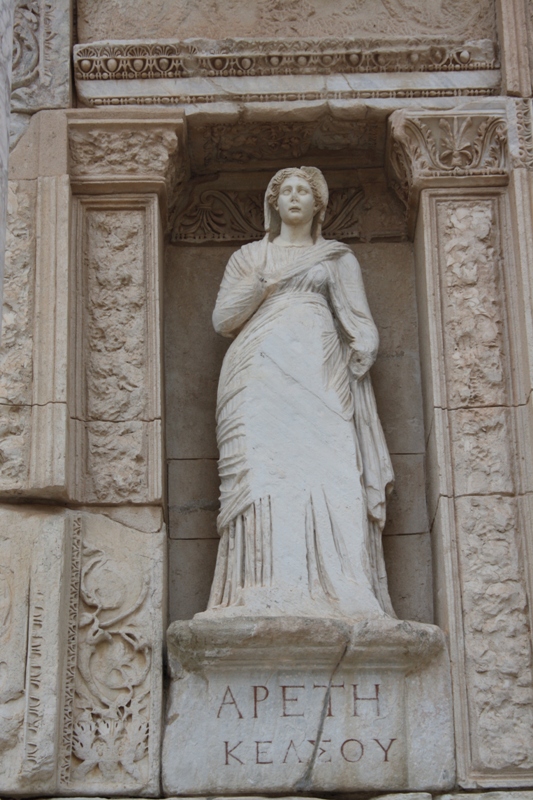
(304, 467)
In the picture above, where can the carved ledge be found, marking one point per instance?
(437, 150)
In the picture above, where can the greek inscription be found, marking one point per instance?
(273, 752)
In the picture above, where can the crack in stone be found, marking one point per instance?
(304, 783)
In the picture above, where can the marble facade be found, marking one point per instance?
(142, 139)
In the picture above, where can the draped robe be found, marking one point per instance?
(304, 467)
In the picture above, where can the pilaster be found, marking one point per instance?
(472, 239)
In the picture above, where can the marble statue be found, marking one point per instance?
(304, 467)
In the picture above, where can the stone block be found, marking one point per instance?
(396, 382)
(389, 277)
(193, 489)
(35, 561)
(82, 601)
(291, 706)
(191, 569)
(406, 505)
(193, 351)
(409, 574)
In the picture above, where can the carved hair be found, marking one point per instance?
(319, 187)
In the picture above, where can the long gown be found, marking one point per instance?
(303, 463)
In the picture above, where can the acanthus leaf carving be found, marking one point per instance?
(217, 215)
(426, 150)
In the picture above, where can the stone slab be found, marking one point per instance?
(409, 575)
(193, 489)
(35, 553)
(191, 569)
(298, 705)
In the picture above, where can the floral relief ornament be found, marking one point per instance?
(114, 662)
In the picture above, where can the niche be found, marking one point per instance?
(220, 209)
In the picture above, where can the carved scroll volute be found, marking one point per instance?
(448, 149)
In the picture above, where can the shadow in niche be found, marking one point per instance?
(221, 211)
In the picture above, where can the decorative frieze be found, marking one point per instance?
(229, 215)
(252, 57)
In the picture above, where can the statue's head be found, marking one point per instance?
(318, 186)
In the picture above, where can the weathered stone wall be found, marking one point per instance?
(120, 19)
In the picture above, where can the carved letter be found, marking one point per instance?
(291, 744)
(259, 755)
(322, 750)
(333, 686)
(359, 757)
(289, 700)
(231, 702)
(386, 752)
(357, 699)
(258, 699)
(229, 753)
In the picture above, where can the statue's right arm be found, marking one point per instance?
(241, 293)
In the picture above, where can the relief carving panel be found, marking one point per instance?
(41, 54)
(111, 729)
(16, 346)
(121, 151)
(117, 420)
(472, 303)
(497, 633)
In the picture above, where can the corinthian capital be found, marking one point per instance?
(445, 149)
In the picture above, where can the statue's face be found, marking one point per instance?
(296, 202)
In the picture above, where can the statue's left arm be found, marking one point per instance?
(348, 298)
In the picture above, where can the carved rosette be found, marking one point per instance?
(429, 150)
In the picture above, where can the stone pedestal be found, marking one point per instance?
(289, 705)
